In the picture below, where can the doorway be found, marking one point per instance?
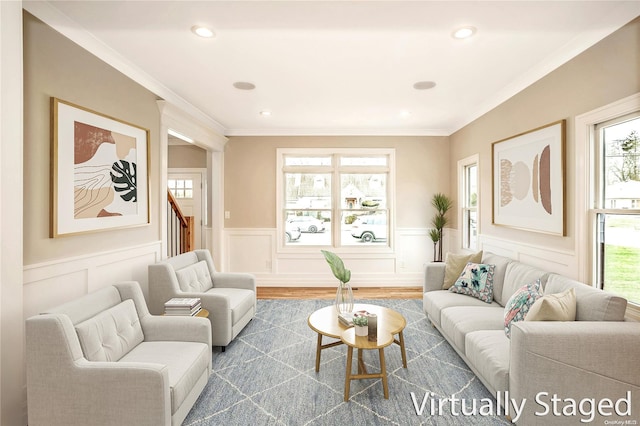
(188, 188)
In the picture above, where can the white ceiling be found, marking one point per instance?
(336, 67)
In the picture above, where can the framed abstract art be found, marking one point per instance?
(99, 171)
(529, 180)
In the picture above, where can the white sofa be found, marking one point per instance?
(104, 360)
(230, 297)
(595, 357)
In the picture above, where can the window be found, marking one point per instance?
(617, 206)
(181, 188)
(468, 194)
(335, 198)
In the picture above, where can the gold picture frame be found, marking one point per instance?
(529, 185)
(99, 171)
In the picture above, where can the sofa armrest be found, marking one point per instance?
(219, 307)
(434, 276)
(234, 280)
(578, 360)
(176, 328)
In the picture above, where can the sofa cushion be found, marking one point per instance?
(185, 361)
(195, 278)
(241, 300)
(519, 304)
(476, 280)
(454, 265)
(489, 352)
(592, 304)
(519, 274)
(500, 268)
(457, 321)
(111, 334)
(434, 302)
(554, 307)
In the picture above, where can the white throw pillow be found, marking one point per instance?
(554, 307)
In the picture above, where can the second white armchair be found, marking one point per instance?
(230, 298)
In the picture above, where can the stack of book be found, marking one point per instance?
(182, 306)
(347, 317)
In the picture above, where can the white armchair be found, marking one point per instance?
(104, 360)
(230, 298)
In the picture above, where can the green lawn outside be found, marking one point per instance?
(622, 271)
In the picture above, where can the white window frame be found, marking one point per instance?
(463, 166)
(586, 188)
(598, 205)
(336, 208)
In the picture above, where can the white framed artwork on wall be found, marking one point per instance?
(528, 172)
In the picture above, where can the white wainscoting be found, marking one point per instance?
(548, 258)
(52, 283)
(255, 250)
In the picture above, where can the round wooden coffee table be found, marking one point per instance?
(325, 322)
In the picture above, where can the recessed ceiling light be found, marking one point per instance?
(244, 85)
(265, 113)
(202, 31)
(463, 32)
(405, 113)
(424, 85)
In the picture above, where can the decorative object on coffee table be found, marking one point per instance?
(372, 327)
(344, 294)
(361, 321)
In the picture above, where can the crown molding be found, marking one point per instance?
(609, 23)
(53, 17)
(336, 132)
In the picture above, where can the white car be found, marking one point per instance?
(370, 227)
(291, 232)
(307, 223)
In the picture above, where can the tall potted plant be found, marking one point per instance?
(442, 204)
(344, 294)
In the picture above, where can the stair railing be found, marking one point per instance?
(180, 237)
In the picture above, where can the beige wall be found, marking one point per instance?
(55, 66)
(602, 74)
(250, 175)
(187, 157)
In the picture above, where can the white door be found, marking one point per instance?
(187, 189)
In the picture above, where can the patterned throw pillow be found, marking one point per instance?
(519, 303)
(476, 280)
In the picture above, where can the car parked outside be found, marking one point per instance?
(370, 227)
(292, 232)
(307, 223)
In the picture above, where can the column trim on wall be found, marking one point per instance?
(13, 401)
(209, 139)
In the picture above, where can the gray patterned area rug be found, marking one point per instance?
(267, 376)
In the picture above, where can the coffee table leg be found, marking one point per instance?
(347, 377)
(362, 369)
(318, 350)
(383, 371)
(404, 353)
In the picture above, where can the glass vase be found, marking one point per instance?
(344, 299)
